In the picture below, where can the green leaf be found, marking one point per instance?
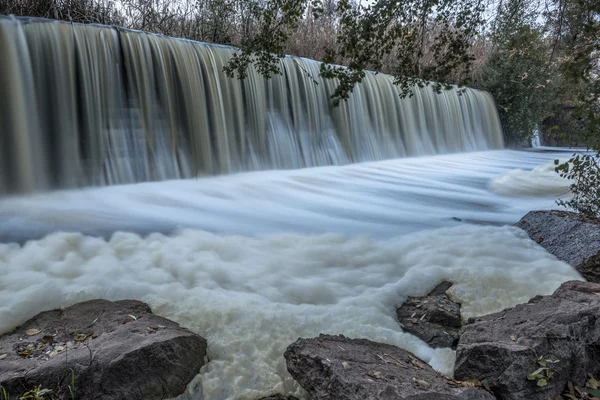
(542, 362)
(539, 371)
(594, 392)
(542, 382)
(534, 376)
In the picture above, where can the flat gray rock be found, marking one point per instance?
(434, 318)
(558, 333)
(570, 237)
(338, 368)
(114, 350)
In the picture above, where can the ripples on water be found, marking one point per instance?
(381, 199)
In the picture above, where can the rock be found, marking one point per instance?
(572, 238)
(561, 331)
(116, 350)
(434, 318)
(338, 368)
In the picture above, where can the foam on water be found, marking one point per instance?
(251, 297)
(541, 181)
(290, 254)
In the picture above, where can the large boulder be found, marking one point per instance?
(112, 350)
(434, 318)
(338, 368)
(572, 238)
(532, 350)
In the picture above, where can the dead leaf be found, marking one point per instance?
(513, 338)
(25, 352)
(32, 331)
(421, 382)
(82, 337)
(3, 356)
(375, 374)
(592, 383)
(150, 330)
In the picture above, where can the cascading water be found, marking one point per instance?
(88, 105)
(254, 260)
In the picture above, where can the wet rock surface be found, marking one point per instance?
(335, 367)
(112, 350)
(572, 238)
(533, 350)
(434, 318)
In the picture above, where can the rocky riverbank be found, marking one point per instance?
(534, 351)
(572, 238)
(100, 350)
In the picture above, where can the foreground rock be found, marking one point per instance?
(571, 237)
(551, 340)
(434, 318)
(116, 350)
(335, 367)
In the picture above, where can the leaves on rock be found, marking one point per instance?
(592, 383)
(590, 392)
(375, 374)
(82, 337)
(421, 382)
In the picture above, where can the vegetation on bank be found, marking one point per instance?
(540, 59)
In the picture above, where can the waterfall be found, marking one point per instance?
(84, 105)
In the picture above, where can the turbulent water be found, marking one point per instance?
(88, 105)
(252, 260)
(255, 260)
(381, 199)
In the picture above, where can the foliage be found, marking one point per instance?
(366, 34)
(36, 394)
(583, 67)
(543, 374)
(583, 169)
(589, 392)
(518, 76)
(275, 20)
(518, 72)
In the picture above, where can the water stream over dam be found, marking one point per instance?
(87, 105)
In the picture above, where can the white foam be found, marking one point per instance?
(252, 297)
(541, 181)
